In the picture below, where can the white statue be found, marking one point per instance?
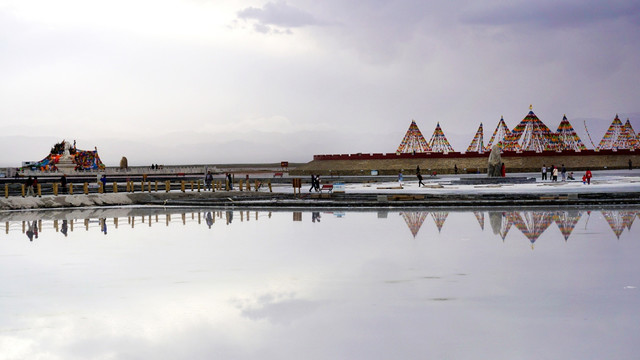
(67, 149)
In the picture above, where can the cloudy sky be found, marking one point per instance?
(199, 81)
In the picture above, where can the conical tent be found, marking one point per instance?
(568, 139)
(532, 223)
(413, 141)
(414, 220)
(477, 142)
(439, 217)
(531, 134)
(499, 135)
(615, 219)
(439, 142)
(480, 217)
(633, 138)
(617, 137)
(566, 221)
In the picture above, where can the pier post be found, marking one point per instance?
(156, 185)
(55, 189)
(115, 187)
(100, 188)
(198, 185)
(6, 190)
(182, 185)
(70, 189)
(191, 185)
(86, 188)
(22, 191)
(167, 185)
(142, 186)
(240, 184)
(248, 185)
(149, 186)
(269, 183)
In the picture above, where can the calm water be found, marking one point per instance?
(198, 284)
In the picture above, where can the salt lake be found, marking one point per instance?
(196, 283)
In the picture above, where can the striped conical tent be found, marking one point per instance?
(413, 141)
(414, 220)
(633, 138)
(439, 217)
(531, 134)
(568, 139)
(566, 221)
(615, 219)
(532, 223)
(439, 142)
(617, 137)
(480, 217)
(499, 134)
(477, 144)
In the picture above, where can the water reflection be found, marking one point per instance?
(154, 282)
(530, 223)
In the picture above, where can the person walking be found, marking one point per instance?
(103, 180)
(555, 173)
(588, 176)
(419, 180)
(313, 182)
(208, 180)
(455, 169)
(544, 172)
(317, 183)
(29, 185)
(503, 170)
(400, 178)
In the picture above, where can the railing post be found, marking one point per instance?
(167, 185)
(6, 190)
(115, 187)
(55, 189)
(182, 185)
(22, 190)
(70, 189)
(86, 188)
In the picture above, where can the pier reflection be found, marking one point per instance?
(530, 224)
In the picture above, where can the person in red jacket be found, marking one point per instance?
(588, 176)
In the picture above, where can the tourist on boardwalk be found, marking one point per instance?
(588, 176)
(420, 180)
(63, 183)
(317, 183)
(208, 179)
(570, 177)
(103, 180)
(503, 170)
(313, 182)
(564, 173)
(230, 181)
(29, 185)
(400, 178)
(554, 172)
(544, 172)
(455, 169)
(34, 186)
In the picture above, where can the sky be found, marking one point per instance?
(215, 82)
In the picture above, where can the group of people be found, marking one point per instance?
(551, 173)
(315, 183)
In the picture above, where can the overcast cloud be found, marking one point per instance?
(245, 81)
